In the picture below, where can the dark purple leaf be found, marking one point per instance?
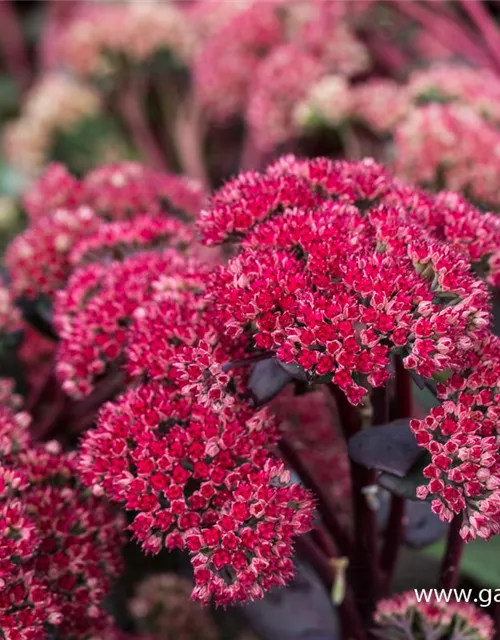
(390, 447)
(423, 526)
(295, 370)
(300, 611)
(267, 379)
(406, 486)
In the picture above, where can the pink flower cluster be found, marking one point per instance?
(462, 436)
(63, 211)
(263, 60)
(403, 616)
(444, 122)
(197, 470)
(450, 145)
(203, 482)
(98, 39)
(93, 312)
(60, 546)
(337, 272)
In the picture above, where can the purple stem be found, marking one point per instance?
(450, 569)
(364, 563)
(394, 533)
(352, 624)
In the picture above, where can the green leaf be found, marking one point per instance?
(480, 562)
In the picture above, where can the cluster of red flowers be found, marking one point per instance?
(63, 211)
(60, 548)
(403, 616)
(337, 272)
(462, 438)
(336, 267)
(201, 481)
(198, 478)
(93, 312)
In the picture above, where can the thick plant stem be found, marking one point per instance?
(188, 135)
(12, 46)
(131, 109)
(380, 406)
(352, 625)
(326, 508)
(450, 569)
(393, 535)
(364, 568)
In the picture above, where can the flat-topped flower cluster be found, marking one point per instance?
(335, 269)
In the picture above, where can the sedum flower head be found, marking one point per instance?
(337, 270)
(462, 438)
(59, 545)
(200, 481)
(65, 212)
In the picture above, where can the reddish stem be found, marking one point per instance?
(82, 414)
(390, 57)
(487, 27)
(322, 537)
(352, 625)
(450, 34)
(40, 387)
(394, 533)
(13, 45)
(132, 110)
(189, 134)
(393, 538)
(325, 506)
(364, 563)
(57, 15)
(251, 156)
(450, 569)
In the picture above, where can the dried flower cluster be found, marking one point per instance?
(60, 546)
(403, 617)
